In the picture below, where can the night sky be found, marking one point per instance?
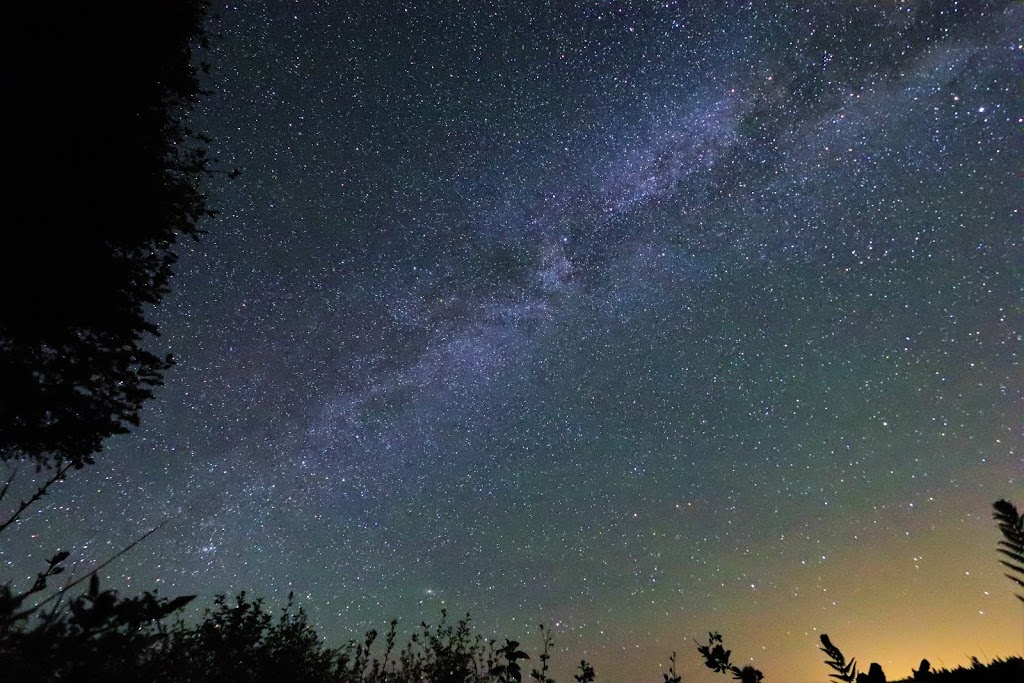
(639, 319)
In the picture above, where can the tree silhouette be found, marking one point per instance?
(1011, 525)
(108, 180)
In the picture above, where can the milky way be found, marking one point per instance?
(631, 318)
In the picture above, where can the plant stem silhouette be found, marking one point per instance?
(58, 569)
(672, 676)
(541, 675)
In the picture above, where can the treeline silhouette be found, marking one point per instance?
(110, 179)
(997, 671)
(102, 636)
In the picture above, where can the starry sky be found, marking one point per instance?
(639, 319)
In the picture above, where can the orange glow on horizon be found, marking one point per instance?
(898, 599)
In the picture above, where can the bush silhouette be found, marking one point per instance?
(101, 636)
(716, 658)
(874, 674)
(997, 671)
(98, 635)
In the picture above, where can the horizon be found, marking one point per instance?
(639, 320)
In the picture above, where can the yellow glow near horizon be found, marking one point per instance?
(898, 599)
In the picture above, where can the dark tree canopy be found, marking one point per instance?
(106, 181)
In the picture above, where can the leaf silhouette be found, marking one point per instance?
(1011, 525)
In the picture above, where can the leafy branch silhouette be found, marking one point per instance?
(845, 671)
(510, 671)
(716, 658)
(1011, 524)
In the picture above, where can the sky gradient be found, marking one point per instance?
(638, 319)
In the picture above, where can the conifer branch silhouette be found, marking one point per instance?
(1011, 525)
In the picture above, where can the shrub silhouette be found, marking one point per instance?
(874, 674)
(997, 671)
(98, 636)
(102, 636)
(716, 658)
(587, 675)
(241, 640)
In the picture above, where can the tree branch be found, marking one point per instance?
(60, 593)
(7, 485)
(40, 492)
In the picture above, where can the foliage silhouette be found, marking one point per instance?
(716, 658)
(547, 640)
(1011, 525)
(91, 248)
(587, 675)
(58, 475)
(874, 674)
(996, 671)
(671, 676)
(510, 671)
(99, 636)
(74, 370)
(845, 671)
(448, 653)
(241, 640)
